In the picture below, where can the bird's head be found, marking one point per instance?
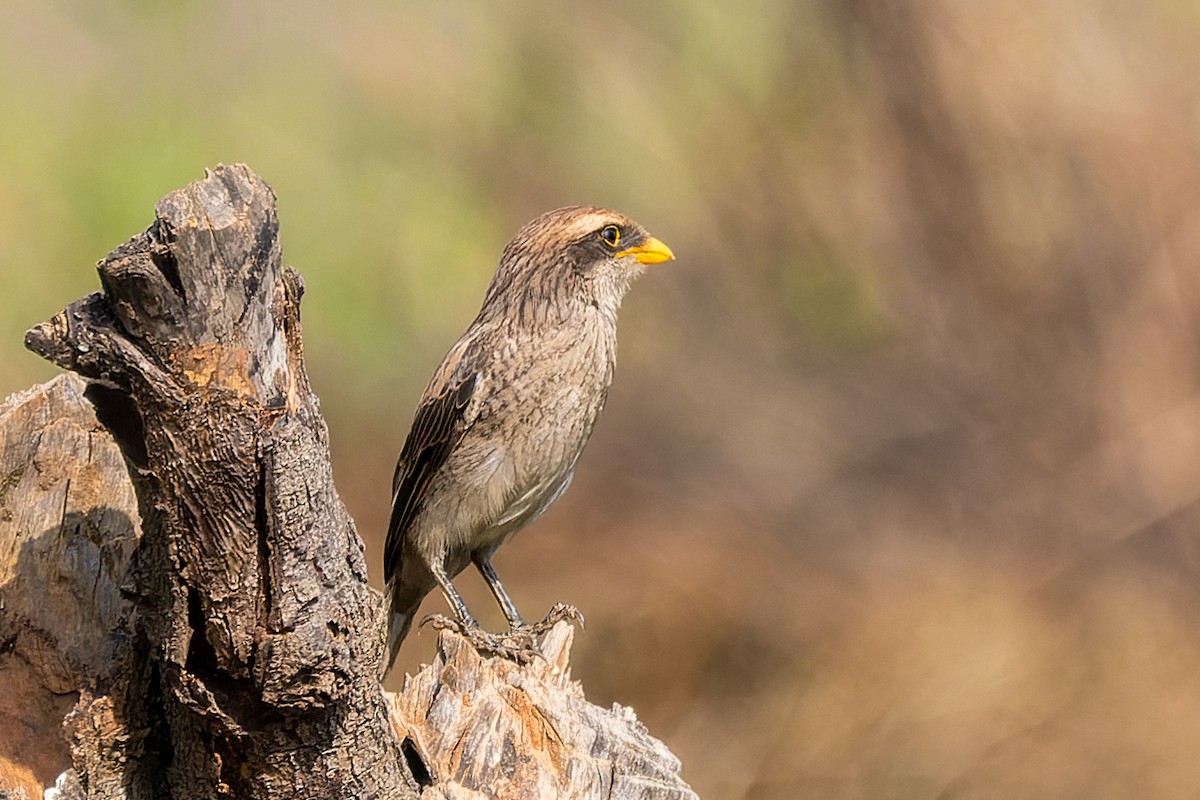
(572, 256)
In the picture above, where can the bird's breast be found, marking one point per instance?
(545, 408)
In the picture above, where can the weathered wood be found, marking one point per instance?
(263, 632)
(525, 732)
(219, 639)
(68, 532)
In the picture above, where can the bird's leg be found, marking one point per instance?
(517, 645)
(483, 562)
(466, 622)
(518, 626)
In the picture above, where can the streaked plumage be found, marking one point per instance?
(503, 420)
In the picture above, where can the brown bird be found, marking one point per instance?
(501, 425)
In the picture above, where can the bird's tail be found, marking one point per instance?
(402, 609)
(399, 623)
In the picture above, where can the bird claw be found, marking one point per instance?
(519, 644)
(560, 612)
(440, 622)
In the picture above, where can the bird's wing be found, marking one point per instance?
(439, 425)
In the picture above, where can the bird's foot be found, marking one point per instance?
(519, 645)
(440, 622)
(561, 612)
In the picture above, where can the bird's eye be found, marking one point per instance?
(611, 235)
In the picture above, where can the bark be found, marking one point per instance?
(262, 636)
(220, 639)
(69, 529)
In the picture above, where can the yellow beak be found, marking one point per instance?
(652, 252)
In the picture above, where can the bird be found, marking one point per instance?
(500, 427)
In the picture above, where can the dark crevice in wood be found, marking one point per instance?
(267, 620)
(117, 412)
(416, 765)
(162, 257)
(159, 751)
(201, 657)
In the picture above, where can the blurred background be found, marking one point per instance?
(896, 495)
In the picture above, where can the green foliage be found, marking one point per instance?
(405, 144)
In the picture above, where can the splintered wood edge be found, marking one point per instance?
(465, 715)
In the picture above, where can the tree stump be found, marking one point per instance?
(526, 732)
(250, 585)
(221, 640)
